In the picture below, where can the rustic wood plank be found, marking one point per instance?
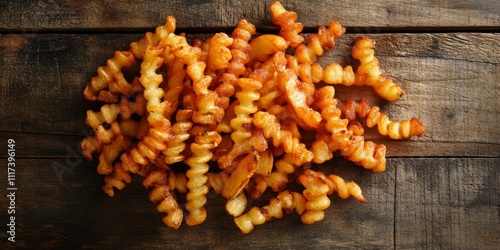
(452, 83)
(416, 203)
(362, 16)
(73, 212)
(448, 203)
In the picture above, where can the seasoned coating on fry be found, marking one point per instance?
(118, 179)
(354, 148)
(280, 138)
(316, 191)
(285, 200)
(111, 152)
(207, 112)
(290, 29)
(167, 203)
(246, 97)
(152, 39)
(107, 74)
(256, 142)
(197, 178)
(303, 62)
(159, 131)
(374, 117)
(344, 189)
(240, 49)
(369, 73)
(164, 183)
(180, 132)
(174, 181)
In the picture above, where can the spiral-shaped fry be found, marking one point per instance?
(159, 132)
(180, 132)
(270, 93)
(374, 117)
(316, 191)
(240, 49)
(105, 133)
(164, 183)
(290, 29)
(110, 112)
(161, 177)
(175, 85)
(242, 123)
(167, 203)
(196, 198)
(111, 152)
(152, 39)
(118, 179)
(106, 74)
(369, 73)
(240, 55)
(344, 189)
(285, 200)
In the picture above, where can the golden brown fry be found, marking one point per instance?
(118, 179)
(394, 129)
(107, 74)
(241, 175)
(256, 142)
(242, 123)
(285, 200)
(298, 99)
(237, 206)
(111, 152)
(197, 179)
(369, 73)
(167, 203)
(180, 132)
(286, 20)
(316, 194)
(152, 39)
(265, 46)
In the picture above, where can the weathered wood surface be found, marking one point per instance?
(417, 203)
(439, 191)
(363, 15)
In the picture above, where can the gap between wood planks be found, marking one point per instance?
(260, 29)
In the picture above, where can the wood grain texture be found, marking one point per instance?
(449, 87)
(444, 203)
(362, 16)
(448, 203)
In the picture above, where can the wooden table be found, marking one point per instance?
(439, 191)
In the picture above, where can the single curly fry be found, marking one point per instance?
(118, 179)
(369, 73)
(152, 39)
(374, 117)
(106, 74)
(285, 200)
(197, 179)
(286, 20)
